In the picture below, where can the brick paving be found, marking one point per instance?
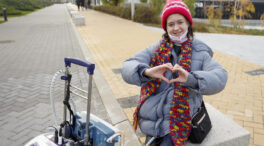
(112, 40)
(32, 49)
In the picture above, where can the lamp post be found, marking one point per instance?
(4, 14)
(132, 9)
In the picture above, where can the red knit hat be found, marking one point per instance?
(175, 6)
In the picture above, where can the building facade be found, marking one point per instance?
(226, 5)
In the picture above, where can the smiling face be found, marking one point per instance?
(177, 25)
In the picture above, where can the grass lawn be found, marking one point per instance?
(22, 13)
(202, 27)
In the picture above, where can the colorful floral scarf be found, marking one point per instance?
(180, 119)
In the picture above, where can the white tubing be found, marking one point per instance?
(52, 84)
(150, 141)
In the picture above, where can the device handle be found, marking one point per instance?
(90, 66)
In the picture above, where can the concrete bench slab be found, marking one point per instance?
(73, 13)
(225, 132)
(78, 20)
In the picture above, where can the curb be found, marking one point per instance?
(114, 110)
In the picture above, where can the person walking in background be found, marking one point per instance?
(86, 4)
(174, 74)
(82, 4)
(89, 3)
(78, 2)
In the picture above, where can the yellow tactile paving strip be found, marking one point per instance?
(111, 40)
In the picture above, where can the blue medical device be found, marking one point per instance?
(77, 131)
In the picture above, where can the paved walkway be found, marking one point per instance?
(32, 49)
(112, 40)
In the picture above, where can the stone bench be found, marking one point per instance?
(225, 132)
(77, 18)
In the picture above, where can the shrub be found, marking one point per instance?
(25, 5)
(114, 10)
(145, 14)
(126, 13)
(143, 1)
(9, 10)
(157, 5)
(200, 27)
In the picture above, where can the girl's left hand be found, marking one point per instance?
(182, 74)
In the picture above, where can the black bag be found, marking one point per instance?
(201, 125)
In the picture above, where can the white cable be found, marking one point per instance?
(52, 97)
(150, 141)
(111, 138)
(52, 84)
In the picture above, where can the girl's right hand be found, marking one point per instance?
(158, 71)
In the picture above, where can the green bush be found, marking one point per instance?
(114, 10)
(126, 13)
(200, 27)
(143, 1)
(9, 10)
(157, 5)
(25, 5)
(145, 14)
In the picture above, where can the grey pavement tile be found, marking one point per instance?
(37, 127)
(5, 110)
(24, 124)
(19, 135)
(21, 99)
(13, 114)
(10, 126)
(27, 67)
(2, 123)
(6, 103)
(5, 134)
(3, 116)
(6, 142)
(10, 98)
(22, 140)
(18, 104)
(17, 108)
(29, 109)
(23, 116)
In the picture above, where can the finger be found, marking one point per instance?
(176, 66)
(179, 68)
(169, 64)
(170, 67)
(175, 69)
(174, 80)
(165, 79)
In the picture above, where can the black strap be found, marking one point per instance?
(202, 105)
(66, 102)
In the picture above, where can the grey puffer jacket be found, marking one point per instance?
(206, 77)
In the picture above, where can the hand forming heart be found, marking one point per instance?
(158, 71)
